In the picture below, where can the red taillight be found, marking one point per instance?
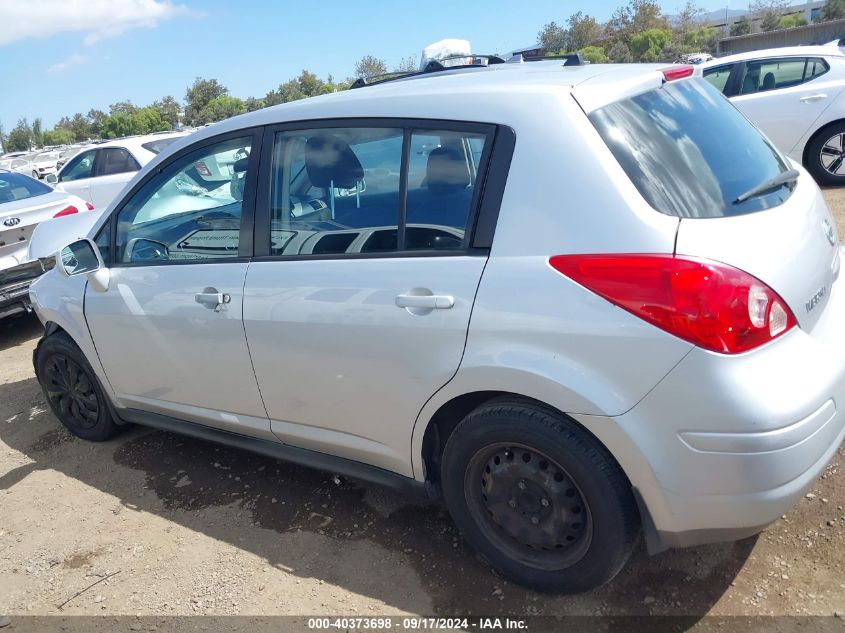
(70, 210)
(203, 170)
(712, 305)
(90, 206)
(677, 72)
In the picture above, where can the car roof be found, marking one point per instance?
(786, 51)
(134, 142)
(506, 91)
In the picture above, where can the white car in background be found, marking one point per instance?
(100, 172)
(24, 204)
(39, 165)
(795, 96)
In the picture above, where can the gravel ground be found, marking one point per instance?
(176, 526)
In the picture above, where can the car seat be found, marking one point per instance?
(768, 81)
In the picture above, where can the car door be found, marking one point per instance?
(75, 177)
(169, 328)
(785, 96)
(357, 304)
(113, 168)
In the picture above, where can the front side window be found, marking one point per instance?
(718, 76)
(186, 214)
(339, 190)
(773, 74)
(81, 166)
(115, 160)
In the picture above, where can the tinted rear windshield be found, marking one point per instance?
(690, 153)
(14, 187)
(159, 144)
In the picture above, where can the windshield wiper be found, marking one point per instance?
(780, 180)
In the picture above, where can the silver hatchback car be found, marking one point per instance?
(577, 302)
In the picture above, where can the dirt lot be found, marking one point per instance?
(188, 527)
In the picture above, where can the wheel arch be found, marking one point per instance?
(805, 152)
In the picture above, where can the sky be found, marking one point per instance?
(65, 56)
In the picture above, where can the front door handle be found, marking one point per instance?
(812, 98)
(425, 302)
(213, 299)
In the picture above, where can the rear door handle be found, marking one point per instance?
(428, 302)
(812, 98)
(211, 298)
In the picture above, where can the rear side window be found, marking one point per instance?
(773, 74)
(159, 144)
(689, 152)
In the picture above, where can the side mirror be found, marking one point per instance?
(83, 257)
(51, 179)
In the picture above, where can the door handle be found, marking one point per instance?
(812, 98)
(211, 298)
(426, 302)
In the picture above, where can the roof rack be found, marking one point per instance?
(572, 59)
(434, 66)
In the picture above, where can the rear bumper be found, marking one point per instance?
(733, 442)
(14, 288)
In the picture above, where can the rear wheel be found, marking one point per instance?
(72, 390)
(826, 156)
(538, 497)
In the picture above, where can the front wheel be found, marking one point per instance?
(72, 390)
(826, 156)
(538, 497)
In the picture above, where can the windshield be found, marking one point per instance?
(690, 153)
(159, 144)
(14, 187)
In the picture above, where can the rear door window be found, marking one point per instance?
(689, 152)
(115, 160)
(763, 75)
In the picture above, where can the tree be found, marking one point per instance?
(169, 109)
(635, 18)
(688, 18)
(369, 66)
(742, 26)
(594, 54)
(409, 64)
(37, 133)
(20, 138)
(768, 12)
(701, 39)
(553, 38)
(832, 10)
(619, 53)
(117, 125)
(96, 121)
(791, 21)
(252, 104)
(648, 45)
(306, 85)
(58, 136)
(147, 120)
(584, 31)
(223, 107)
(125, 107)
(198, 96)
(2, 139)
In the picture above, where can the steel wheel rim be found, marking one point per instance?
(529, 506)
(71, 392)
(832, 155)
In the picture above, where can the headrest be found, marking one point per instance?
(768, 81)
(447, 171)
(329, 159)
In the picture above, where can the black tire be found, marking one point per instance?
(825, 154)
(72, 390)
(554, 513)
